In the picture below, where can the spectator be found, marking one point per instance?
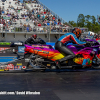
(39, 24)
(34, 29)
(21, 27)
(65, 30)
(91, 36)
(54, 29)
(0, 12)
(28, 29)
(95, 36)
(28, 25)
(38, 15)
(48, 23)
(42, 14)
(44, 29)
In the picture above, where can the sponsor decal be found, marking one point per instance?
(21, 49)
(1, 48)
(18, 43)
(5, 43)
(1, 68)
(17, 68)
(6, 69)
(48, 64)
(27, 60)
(41, 46)
(19, 64)
(10, 66)
(23, 67)
(45, 52)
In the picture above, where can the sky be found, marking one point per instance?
(70, 9)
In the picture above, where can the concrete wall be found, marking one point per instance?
(12, 37)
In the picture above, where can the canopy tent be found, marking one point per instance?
(91, 33)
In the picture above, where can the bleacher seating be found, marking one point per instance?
(28, 17)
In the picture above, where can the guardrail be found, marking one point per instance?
(42, 29)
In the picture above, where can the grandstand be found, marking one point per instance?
(19, 20)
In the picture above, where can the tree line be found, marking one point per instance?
(87, 21)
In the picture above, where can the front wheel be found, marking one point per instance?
(96, 66)
(95, 63)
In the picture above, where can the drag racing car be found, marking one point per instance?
(42, 57)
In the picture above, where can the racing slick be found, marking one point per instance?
(34, 40)
(60, 45)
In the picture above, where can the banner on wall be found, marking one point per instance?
(3, 48)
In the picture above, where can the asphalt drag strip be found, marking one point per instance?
(69, 85)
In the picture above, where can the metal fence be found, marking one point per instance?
(41, 29)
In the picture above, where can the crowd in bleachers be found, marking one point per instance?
(46, 17)
(17, 17)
